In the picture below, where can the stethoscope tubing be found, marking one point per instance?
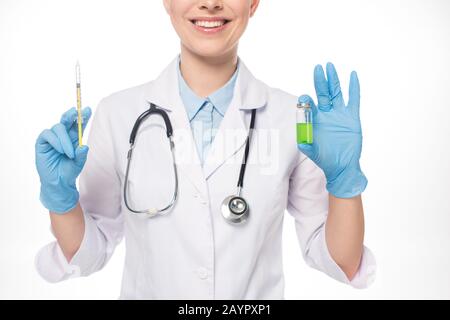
(230, 214)
(169, 131)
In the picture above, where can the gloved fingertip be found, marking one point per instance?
(87, 111)
(86, 114)
(304, 98)
(69, 116)
(82, 149)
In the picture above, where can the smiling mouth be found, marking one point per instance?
(209, 24)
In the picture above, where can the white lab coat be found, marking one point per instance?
(192, 252)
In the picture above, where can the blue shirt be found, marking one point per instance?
(205, 114)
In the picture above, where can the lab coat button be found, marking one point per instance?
(202, 273)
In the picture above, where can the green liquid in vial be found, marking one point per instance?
(304, 133)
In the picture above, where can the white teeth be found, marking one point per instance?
(210, 24)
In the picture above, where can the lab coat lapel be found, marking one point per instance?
(164, 92)
(249, 93)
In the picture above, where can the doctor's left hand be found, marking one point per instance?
(337, 135)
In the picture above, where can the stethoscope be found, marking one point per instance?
(235, 208)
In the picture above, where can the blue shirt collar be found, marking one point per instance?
(220, 99)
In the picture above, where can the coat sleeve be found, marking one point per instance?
(308, 204)
(100, 199)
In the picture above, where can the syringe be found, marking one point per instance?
(80, 119)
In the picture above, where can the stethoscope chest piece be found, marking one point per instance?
(235, 209)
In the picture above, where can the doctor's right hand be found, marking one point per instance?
(59, 161)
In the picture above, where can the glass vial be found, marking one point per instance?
(304, 123)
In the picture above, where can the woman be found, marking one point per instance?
(193, 252)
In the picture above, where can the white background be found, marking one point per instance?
(401, 50)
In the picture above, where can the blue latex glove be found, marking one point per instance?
(337, 136)
(59, 161)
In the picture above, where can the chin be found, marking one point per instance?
(210, 50)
